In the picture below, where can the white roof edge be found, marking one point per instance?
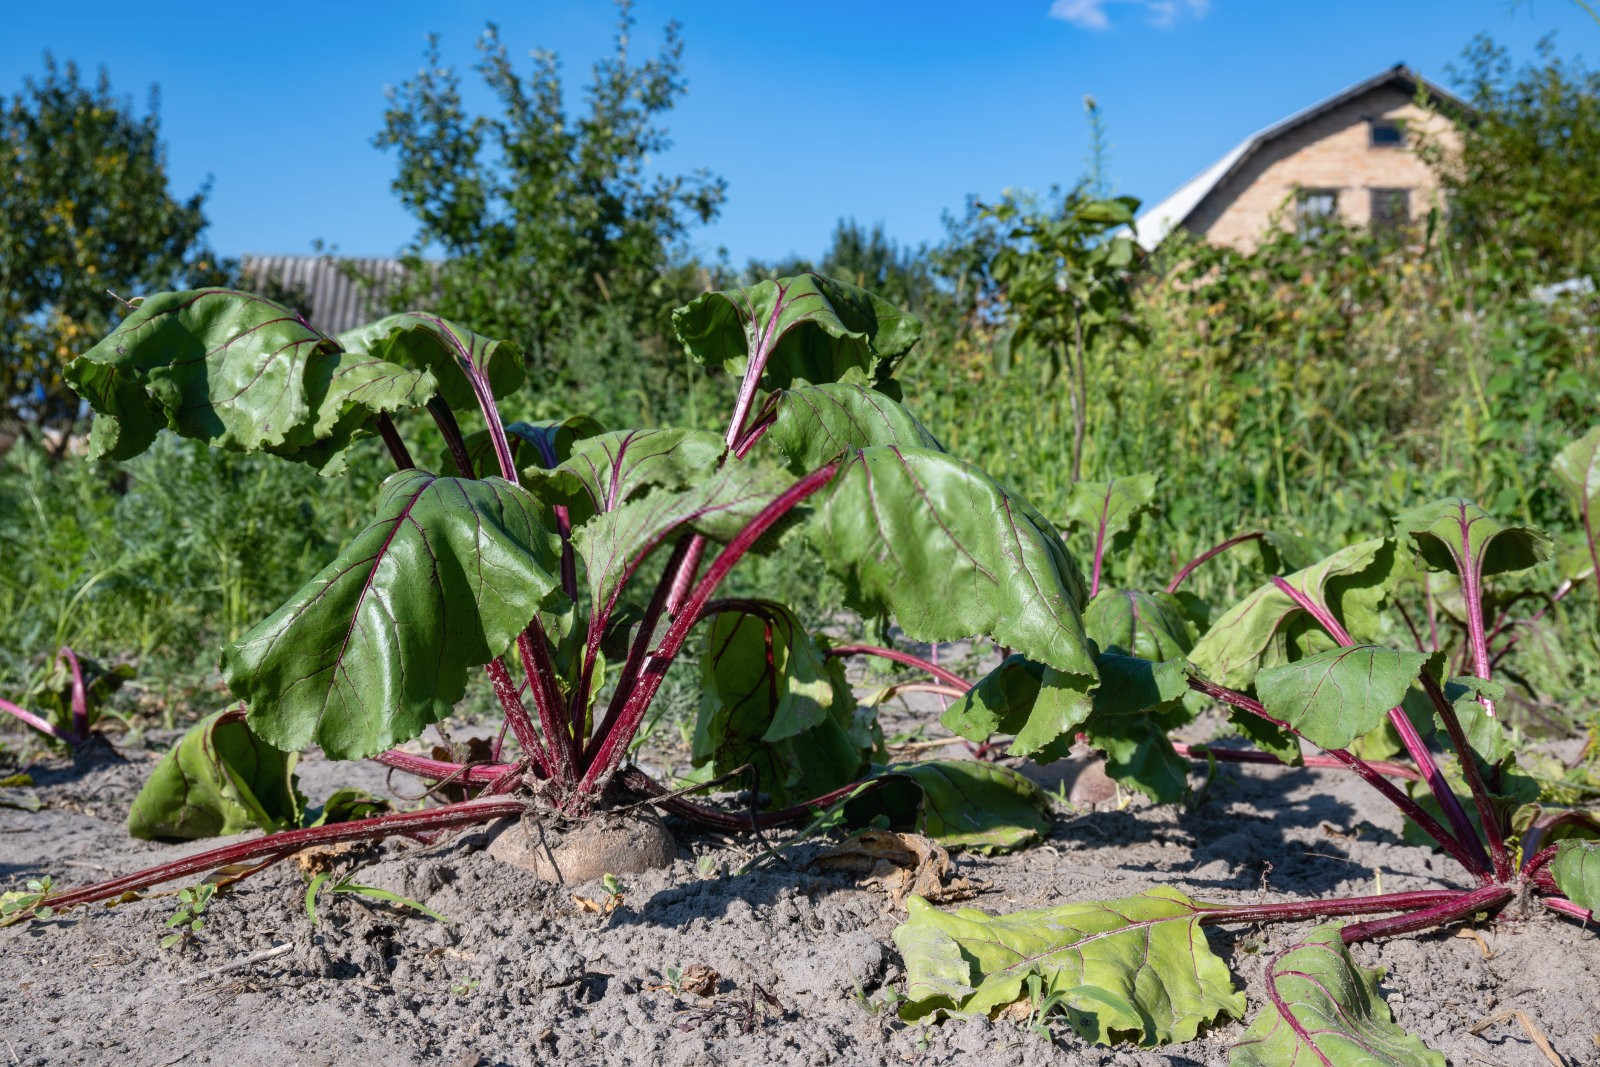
(1154, 224)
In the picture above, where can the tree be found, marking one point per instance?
(84, 212)
(1067, 280)
(1522, 186)
(539, 215)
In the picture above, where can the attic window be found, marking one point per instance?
(1388, 133)
(1313, 209)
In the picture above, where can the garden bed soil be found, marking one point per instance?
(527, 972)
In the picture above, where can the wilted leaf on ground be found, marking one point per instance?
(958, 803)
(218, 779)
(1137, 968)
(1326, 1011)
(901, 863)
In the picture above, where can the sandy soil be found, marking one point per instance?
(804, 964)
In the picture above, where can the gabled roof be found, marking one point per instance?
(338, 300)
(1154, 224)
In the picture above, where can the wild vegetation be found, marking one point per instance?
(1335, 497)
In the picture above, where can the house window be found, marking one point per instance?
(1313, 209)
(1391, 209)
(1388, 133)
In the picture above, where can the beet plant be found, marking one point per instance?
(1304, 658)
(571, 565)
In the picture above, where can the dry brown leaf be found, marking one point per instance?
(604, 906)
(322, 857)
(699, 979)
(901, 864)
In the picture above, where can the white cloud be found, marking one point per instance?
(1162, 14)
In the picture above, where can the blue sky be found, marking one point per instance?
(888, 112)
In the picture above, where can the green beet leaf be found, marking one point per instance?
(771, 698)
(1103, 511)
(1268, 627)
(1149, 625)
(807, 328)
(377, 645)
(1136, 705)
(605, 471)
(346, 805)
(1578, 468)
(220, 778)
(453, 354)
(893, 518)
(1326, 1011)
(613, 543)
(1334, 697)
(1576, 870)
(1138, 968)
(236, 371)
(962, 804)
(1457, 535)
(1036, 704)
(816, 423)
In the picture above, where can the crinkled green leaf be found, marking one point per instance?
(1136, 705)
(236, 371)
(770, 697)
(1577, 467)
(1576, 870)
(1148, 951)
(1326, 1011)
(1486, 734)
(1149, 625)
(220, 778)
(810, 329)
(1035, 703)
(541, 444)
(612, 543)
(1260, 630)
(1334, 697)
(1454, 534)
(816, 423)
(962, 804)
(892, 517)
(607, 470)
(377, 645)
(454, 354)
(1103, 510)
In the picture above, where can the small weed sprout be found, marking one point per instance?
(188, 919)
(16, 905)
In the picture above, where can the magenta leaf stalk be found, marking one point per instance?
(282, 845)
(80, 694)
(1470, 571)
(1487, 816)
(1414, 745)
(1477, 863)
(44, 726)
(614, 745)
(1484, 898)
(1237, 755)
(392, 441)
(1100, 541)
(928, 666)
(1209, 554)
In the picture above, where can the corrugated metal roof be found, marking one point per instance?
(339, 299)
(1152, 227)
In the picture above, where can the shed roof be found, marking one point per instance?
(338, 298)
(1153, 226)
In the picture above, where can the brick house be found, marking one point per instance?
(1353, 154)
